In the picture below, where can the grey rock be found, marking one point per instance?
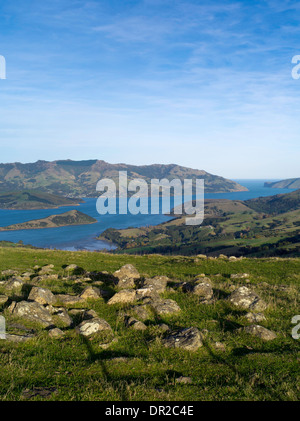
(9, 272)
(142, 311)
(245, 298)
(56, 333)
(163, 327)
(260, 332)
(38, 279)
(220, 346)
(124, 296)
(126, 276)
(90, 314)
(203, 289)
(71, 268)
(74, 270)
(63, 316)
(134, 323)
(162, 306)
(18, 338)
(12, 307)
(90, 327)
(41, 296)
(90, 293)
(14, 284)
(255, 317)
(189, 339)
(184, 380)
(158, 284)
(32, 311)
(66, 299)
(26, 276)
(77, 311)
(165, 307)
(46, 270)
(3, 299)
(239, 276)
(145, 292)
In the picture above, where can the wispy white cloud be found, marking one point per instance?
(142, 81)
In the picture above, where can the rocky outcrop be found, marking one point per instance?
(142, 298)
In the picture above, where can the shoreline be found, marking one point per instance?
(2, 229)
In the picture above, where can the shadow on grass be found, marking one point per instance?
(101, 357)
(246, 377)
(108, 355)
(242, 351)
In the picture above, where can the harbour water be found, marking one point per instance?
(84, 237)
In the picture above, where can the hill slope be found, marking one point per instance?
(232, 364)
(277, 204)
(291, 183)
(257, 227)
(29, 199)
(79, 178)
(73, 217)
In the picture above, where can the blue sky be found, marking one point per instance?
(203, 84)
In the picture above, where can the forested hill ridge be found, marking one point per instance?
(79, 178)
(29, 199)
(72, 217)
(291, 183)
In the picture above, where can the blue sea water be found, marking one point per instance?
(83, 237)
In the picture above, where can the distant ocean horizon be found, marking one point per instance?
(83, 237)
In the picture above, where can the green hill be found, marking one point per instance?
(30, 199)
(277, 204)
(291, 183)
(72, 217)
(257, 227)
(79, 178)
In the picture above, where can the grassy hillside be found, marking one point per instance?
(72, 217)
(79, 178)
(280, 203)
(30, 199)
(291, 183)
(137, 366)
(257, 227)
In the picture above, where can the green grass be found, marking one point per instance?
(137, 367)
